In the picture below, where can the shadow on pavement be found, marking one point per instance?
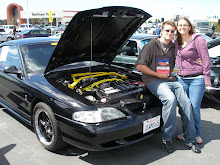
(144, 152)
(141, 153)
(3, 151)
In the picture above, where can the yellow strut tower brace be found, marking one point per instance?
(93, 74)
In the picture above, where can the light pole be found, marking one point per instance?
(27, 15)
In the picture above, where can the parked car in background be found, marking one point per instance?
(8, 28)
(140, 31)
(207, 38)
(40, 27)
(61, 28)
(2, 31)
(58, 35)
(214, 53)
(25, 26)
(131, 49)
(202, 26)
(6, 37)
(32, 33)
(151, 30)
(70, 95)
(51, 29)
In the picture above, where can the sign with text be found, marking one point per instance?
(50, 16)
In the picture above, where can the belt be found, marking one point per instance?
(191, 75)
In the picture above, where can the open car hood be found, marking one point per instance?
(106, 29)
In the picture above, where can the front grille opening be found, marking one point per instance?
(129, 140)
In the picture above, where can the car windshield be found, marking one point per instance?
(203, 24)
(130, 48)
(145, 41)
(37, 56)
(24, 31)
(2, 30)
(215, 70)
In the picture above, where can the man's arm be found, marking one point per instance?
(146, 70)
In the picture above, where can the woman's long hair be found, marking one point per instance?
(191, 31)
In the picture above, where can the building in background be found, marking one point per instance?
(16, 15)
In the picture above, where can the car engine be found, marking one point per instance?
(110, 88)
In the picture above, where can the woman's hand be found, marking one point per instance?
(199, 60)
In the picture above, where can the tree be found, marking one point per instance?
(217, 26)
(157, 20)
(3, 22)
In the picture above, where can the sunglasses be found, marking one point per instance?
(172, 31)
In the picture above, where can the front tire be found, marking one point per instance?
(9, 39)
(46, 127)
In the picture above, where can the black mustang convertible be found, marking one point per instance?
(69, 91)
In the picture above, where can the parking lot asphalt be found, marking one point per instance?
(19, 146)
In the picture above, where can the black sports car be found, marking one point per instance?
(213, 92)
(69, 90)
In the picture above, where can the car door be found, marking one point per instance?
(34, 33)
(2, 38)
(11, 85)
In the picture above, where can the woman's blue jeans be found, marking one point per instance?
(171, 92)
(195, 89)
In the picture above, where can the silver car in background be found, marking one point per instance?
(6, 37)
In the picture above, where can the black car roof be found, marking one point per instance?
(26, 41)
(213, 43)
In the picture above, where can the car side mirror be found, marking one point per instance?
(12, 70)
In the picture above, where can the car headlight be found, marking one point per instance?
(97, 116)
(217, 80)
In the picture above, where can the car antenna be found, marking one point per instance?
(91, 55)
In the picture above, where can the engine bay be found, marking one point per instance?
(108, 87)
(103, 85)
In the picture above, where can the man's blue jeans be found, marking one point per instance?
(171, 92)
(195, 89)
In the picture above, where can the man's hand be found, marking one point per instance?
(162, 76)
(145, 69)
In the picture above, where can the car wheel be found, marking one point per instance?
(46, 127)
(9, 39)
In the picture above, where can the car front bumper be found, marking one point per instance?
(108, 135)
(213, 93)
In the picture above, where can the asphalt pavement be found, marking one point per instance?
(19, 146)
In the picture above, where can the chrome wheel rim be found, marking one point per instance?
(44, 127)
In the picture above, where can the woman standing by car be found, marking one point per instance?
(193, 64)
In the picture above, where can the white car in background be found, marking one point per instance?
(8, 28)
(57, 35)
(151, 30)
(51, 29)
(23, 26)
(6, 37)
(2, 31)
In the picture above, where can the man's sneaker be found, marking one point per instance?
(194, 147)
(168, 146)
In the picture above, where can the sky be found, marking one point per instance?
(194, 9)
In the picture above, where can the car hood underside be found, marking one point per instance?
(96, 35)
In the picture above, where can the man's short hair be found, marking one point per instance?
(169, 23)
